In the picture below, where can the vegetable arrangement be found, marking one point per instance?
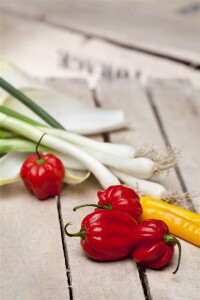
(123, 223)
(112, 231)
(109, 163)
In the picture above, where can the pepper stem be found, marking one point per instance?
(106, 206)
(40, 160)
(169, 239)
(81, 233)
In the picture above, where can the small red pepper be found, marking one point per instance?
(118, 198)
(153, 245)
(121, 198)
(106, 235)
(43, 174)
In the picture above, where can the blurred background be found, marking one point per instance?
(110, 39)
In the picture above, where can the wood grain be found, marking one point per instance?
(178, 107)
(169, 29)
(65, 54)
(32, 261)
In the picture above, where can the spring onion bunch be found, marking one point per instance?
(81, 155)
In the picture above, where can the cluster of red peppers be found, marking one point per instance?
(112, 231)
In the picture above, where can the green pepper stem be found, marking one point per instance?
(40, 160)
(81, 233)
(169, 239)
(106, 206)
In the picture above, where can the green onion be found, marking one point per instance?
(86, 153)
(104, 176)
(13, 113)
(19, 145)
(88, 144)
(5, 134)
(29, 103)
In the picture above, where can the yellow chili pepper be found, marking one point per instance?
(191, 216)
(178, 225)
(181, 222)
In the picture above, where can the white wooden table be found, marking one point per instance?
(38, 262)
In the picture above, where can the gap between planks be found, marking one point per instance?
(168, 145)
(141, 270)
(65, 253)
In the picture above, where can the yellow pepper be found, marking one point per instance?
(147, 201)
(178, 225)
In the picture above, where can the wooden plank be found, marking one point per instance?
(143, 130)
(120, 61)
(179, 108)
(170, 29)
(64, 54)
(74, 88)
(31, 261)
(110, 280)
(130, 96)
(28, 35)
(133, 99)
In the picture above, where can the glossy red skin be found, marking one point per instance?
(151, 250)
(149, 232)
(43, 180)
(157, 256)
(108, 235)
(122, 199)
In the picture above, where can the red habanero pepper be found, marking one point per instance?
(154, 245)
(106, 235)
(43, 174)
(118, 198)
(121, 198)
